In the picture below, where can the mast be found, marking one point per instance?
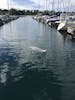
(58, 5)
(45, 5)
(39, 5)
(63, 5)
(8, 4)
(52, 5)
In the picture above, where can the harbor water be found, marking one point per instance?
(29, 74)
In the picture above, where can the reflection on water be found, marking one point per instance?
(29, 80)
(30, 75)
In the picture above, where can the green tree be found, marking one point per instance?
(13, 11)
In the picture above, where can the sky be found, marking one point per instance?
(38, 4)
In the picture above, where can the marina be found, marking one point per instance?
(66, 25)
(37, 50)
(36, 62)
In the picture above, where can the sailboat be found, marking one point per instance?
(54, 19)
(66, 20)
(63, 23)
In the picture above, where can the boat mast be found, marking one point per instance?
(63, 5)
(58, 5)
(46, 5)
(8, 6)
(39, 5)
(52, 5)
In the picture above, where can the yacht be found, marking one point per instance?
(66, 22)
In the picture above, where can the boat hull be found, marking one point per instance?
(62, 26)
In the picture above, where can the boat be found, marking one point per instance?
(53, 21)
(62, 26)
(67, 22)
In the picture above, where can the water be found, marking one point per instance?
(27, 74)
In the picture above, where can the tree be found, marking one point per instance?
(13, 11)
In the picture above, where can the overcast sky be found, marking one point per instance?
(38, 4)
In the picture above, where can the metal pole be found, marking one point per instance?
(39, 5)
(46, 4)
(58, 6)
(53, 5)
(8, 4)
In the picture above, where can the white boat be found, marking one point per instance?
(64, 24)
(52, 20)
